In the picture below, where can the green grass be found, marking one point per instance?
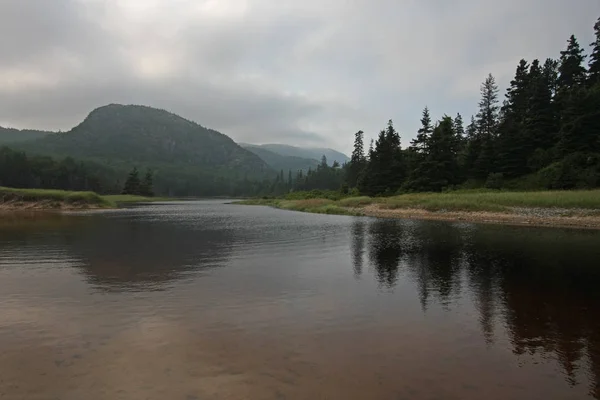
(316, 206)
(54, 197)
(463, 200)
(495, 200)
(129, 198)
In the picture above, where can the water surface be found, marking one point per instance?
(206, 300)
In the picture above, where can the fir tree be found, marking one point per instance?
(572, 73)
(357, 160)
(132, 184)
(146, 186)
(419, 143)
(594, 63)
(487, 123)
(459, 127)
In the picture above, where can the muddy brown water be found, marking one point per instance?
(207, 300)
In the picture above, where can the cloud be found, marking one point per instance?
(271, 71)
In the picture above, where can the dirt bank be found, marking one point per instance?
(517, 216)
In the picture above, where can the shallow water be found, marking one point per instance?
(206, 300)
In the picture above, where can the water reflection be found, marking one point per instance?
(540, 285)
(122, 253)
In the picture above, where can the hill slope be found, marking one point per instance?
(10, 135)
(279, 162)
(188, 159)
(306, 152)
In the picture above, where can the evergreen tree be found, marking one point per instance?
(132, 184)
(440, 168)
(323, 161)
(290, 181)
(146, 186)
(487, 117)
(459, 128)
(594, 63)
(419, 143)
(384, 172)
(357, 160)
(487, 123)
(513, 146)
(572, 73)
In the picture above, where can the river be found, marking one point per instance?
(208, 300)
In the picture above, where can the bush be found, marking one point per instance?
(494, 181)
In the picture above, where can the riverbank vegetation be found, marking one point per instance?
(465, 200)
(11, 198)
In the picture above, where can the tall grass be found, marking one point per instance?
(495, 200)
(52, 196)
(130, 198)
(463, 200)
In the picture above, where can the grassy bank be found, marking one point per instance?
(317, 206)
(491, 201)
(129, 198)
(11, 198)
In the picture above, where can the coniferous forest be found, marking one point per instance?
(544, 134)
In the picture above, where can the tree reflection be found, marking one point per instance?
(385, 250)
(358, 245)
(541, 285)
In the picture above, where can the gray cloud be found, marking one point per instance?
(271, 71)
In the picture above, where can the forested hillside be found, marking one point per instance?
(279, 162)
(187, 159)
(11, 135)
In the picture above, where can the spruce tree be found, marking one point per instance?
(357, 160)
(572, 73)
(513, 147)
(459, 128)
(487, 124)
(146, 186)
(132, 184)
(418, 143)
(594, 63)
(440, 168)
(487, 117)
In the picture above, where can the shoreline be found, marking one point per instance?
(558, 214)
(486, 217)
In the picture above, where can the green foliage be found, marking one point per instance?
(19, 170)
(10, 135)
(54, 197)
(494, 181)
(187, 158)
(545, 136)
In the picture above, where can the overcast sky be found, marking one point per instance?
(306, 72)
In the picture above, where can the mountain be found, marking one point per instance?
(306, 152)
(279, 162)
(188, 159)
(10, 135)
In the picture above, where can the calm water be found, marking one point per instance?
(205, 300)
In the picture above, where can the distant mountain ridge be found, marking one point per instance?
(315, 153)
(11, 135)
(280, 162)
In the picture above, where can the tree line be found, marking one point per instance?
(545, 134)
(19, 170)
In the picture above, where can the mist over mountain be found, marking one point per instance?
(315, 153)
